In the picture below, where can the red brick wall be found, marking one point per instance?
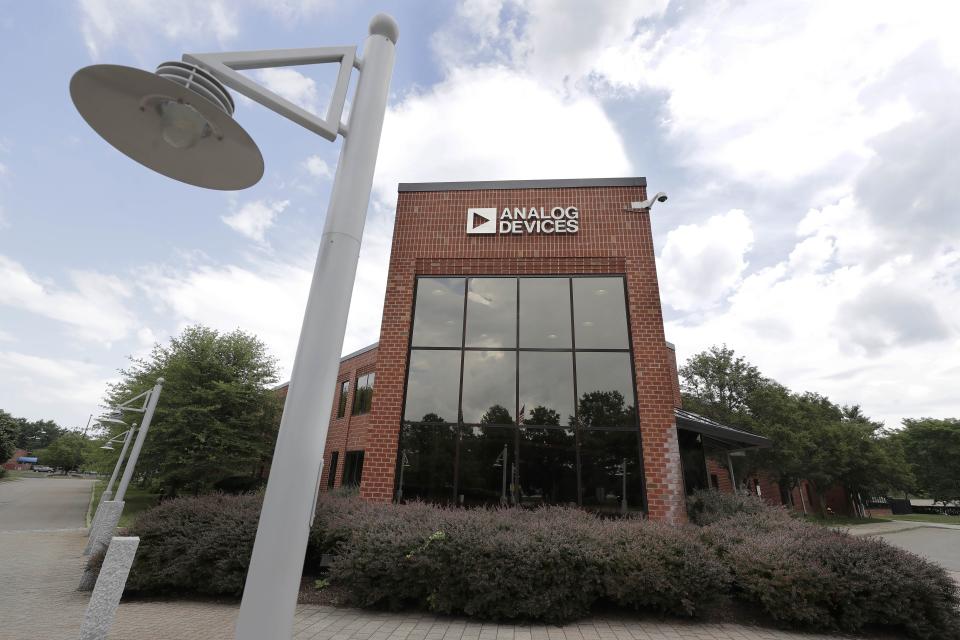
(430, 238)
(719, 468)
(349, 433)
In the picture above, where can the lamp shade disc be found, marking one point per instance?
(123, 105)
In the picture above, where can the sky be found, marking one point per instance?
(809, 150)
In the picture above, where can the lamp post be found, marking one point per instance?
(108, 492)
(109, 511)
(178, 122)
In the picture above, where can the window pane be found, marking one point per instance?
(548, 466)
(425, 464)
(363, 396)
(487, 465)
(438, 317)
(342, 404)
(433, 386)
(352, 468)
(545, 313)
(492, 312)
(605, 386)
(604, 456)
(546, 387)
(332, 473)
(600, 313)
(489, 387)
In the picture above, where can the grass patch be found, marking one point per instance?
(841, 521)
(136, 501)
(937, 518)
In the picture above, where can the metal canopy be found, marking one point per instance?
(721, 434)
(121, 104)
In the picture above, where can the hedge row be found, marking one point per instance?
(553, 564)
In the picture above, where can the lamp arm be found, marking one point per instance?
(225, 66)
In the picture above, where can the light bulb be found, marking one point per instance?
(182, 125)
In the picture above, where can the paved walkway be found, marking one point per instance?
(934, 541)
(43, 503)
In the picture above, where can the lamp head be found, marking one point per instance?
(177, 121)
(107, 447)
(107, 419)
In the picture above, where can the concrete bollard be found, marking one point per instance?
(103, 604)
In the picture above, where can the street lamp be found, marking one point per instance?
(109, 511)
(178, 122)
(126, 435)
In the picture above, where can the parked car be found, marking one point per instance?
(39, 468)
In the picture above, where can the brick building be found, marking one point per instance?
(522, 358)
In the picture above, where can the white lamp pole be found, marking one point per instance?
(178, 122)
(273, 580)
(138, 443)
(108, 492)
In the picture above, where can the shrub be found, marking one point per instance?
(707, 506)
(814, 577)
(649, 565)
(199, 544)
(548, 564)
(553, 564)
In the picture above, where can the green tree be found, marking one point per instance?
(721, 380)
(38, 434)
(932, 448)
(68, 452)
(812, 437)
(9, 430)
(217, 415)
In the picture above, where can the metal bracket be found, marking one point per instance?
(128, 404)
(225, 66)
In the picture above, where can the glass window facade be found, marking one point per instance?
(520, 390)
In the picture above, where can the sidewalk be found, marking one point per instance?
(38, 599)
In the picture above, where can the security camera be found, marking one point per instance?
(648, 203)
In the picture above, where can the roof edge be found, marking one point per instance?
(573, 183)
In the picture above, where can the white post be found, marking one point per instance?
(138, 443)
(108, 493)
(276, 564)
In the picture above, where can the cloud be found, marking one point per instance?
(292, 85)
(700, 264)
(254, 218)
(492, 123)
(94, 309)
(134, 23)
(318, 167)
(863, 327)
(61, 389)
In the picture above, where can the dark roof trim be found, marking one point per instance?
(733, 438)
(360, 352)
(576, 183)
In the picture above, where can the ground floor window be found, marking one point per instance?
(332, 475)
(352, 468)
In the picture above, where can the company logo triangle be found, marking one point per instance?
(482, 220)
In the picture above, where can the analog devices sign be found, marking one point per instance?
(522, 220)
